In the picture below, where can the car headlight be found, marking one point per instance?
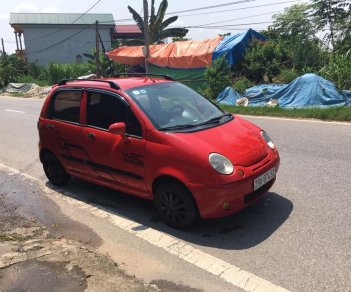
(267, 139)
(221, 163)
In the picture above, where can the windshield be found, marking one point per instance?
(174, 106)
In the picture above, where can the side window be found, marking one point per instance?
(105, 109)
(133, 125)
(65, 106)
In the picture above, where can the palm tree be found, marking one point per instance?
(157, 26)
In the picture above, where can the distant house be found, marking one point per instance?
(127, 31)
(59, 37)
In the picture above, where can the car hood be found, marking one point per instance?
(238, 140)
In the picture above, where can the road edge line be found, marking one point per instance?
(208, 263)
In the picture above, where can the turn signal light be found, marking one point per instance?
(241, 172)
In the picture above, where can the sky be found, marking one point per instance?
(256, 14)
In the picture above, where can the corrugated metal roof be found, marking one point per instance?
(60, 18)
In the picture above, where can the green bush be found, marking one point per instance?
(262, 61)
(338, 70)
(30, 79)
(287, 76)
(57, 72)
(10, 68)
(241, 84)
(218, 77)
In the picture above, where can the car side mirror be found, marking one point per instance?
(118, 128)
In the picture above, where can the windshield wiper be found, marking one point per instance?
(216, 119)
(177, 127)
(187, 126)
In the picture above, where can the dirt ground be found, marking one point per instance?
(33, 259)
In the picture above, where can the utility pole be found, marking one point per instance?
(97, 53)
(3, 49)
(146, 36)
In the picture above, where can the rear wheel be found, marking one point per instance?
(175, 205)
(54, 171)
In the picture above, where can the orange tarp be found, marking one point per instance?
(182, 54)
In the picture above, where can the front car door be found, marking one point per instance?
(114, 158)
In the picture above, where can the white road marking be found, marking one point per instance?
(215, 266)
(295, 119)
(14, 111)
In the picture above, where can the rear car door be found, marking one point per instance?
(114, 158)
(63, 132)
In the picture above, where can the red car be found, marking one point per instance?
(157, 139)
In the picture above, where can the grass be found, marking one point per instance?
(12, 237)
(16, 94)
(326, 114)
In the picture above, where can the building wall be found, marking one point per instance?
(62, 43)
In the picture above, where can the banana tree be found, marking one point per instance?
(157, 25)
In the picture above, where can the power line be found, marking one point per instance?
(272, 12)
(61, 41)
(196, 26)
(242, 8)
(211, 7)
(218, 11)
(228, 25)
(96, 3)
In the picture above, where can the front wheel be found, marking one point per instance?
(175, 205)
(54, 171)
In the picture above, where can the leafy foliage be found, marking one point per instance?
(157, 25)
(57, 72)
(338, 70)
(218, 77)
(288, 75)
(332, 113)
(294, 23)
(262, 60)
(332, 16)
(292, 49)
(108, 68)
(241, 84)
(13, 70)
(10, 69)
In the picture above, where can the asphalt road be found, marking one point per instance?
(298, 236)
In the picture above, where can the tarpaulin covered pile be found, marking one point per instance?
(183, 54)
(309, 90)
(17, 87)
(187, 60)
(26, 89)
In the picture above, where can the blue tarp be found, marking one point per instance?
(347, 93)
(233, 46)
(228, 96)
(309, 90)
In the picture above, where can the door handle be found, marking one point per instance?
(91, 135)
(50, 126)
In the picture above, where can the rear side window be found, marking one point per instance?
(65, 106)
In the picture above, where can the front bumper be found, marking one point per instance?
(216, 201)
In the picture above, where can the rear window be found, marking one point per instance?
(65, 106)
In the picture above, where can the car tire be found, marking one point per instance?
(175, 205)
(54, 171)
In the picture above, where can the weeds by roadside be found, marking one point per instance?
(325, 114)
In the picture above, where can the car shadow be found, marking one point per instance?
(242, 230)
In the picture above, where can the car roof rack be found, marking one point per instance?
(166, 77)
(112, 84)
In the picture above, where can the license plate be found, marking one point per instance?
(264, 178)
